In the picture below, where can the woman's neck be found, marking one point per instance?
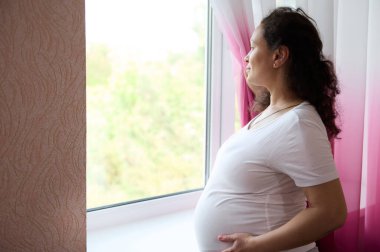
(280, 98)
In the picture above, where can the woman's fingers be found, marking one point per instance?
(241, 242)
(227, 237)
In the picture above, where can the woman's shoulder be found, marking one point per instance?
(305, 111)
(306, 116)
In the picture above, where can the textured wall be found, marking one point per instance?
(42, 126)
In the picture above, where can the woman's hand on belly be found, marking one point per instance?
(240, 242)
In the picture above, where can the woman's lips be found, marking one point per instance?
(247, 71)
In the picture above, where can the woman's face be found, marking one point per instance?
(259, 69)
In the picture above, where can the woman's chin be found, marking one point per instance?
(253, 85)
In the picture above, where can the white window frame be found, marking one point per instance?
(219, 115)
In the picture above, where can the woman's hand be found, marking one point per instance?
(241, 242)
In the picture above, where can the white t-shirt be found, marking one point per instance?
(256, 182)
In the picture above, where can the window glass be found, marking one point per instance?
(286, 3)
(145, 98)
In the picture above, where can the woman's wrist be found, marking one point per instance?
(261, 244)
(257, 244)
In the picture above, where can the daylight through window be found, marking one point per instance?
(145, 98)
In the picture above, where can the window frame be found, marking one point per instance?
(220, 114)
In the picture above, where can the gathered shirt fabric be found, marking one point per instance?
(258, 175)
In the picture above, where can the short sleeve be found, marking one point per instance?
(303, 152)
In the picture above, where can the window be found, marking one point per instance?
(146, 99)
(286, 3)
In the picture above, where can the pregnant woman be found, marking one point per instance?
(255, 199)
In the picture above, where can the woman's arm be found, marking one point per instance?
(327, 211)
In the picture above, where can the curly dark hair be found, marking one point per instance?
(309, 74)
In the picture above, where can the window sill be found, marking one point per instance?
(171, 233)
(164, 224)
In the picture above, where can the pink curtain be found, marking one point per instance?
(236, 24)
(357, 154)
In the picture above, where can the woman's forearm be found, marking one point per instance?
(327, 212)
(307, 226)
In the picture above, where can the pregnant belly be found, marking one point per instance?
(215, 216)
(211, 221)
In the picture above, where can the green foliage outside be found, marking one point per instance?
(145, 126)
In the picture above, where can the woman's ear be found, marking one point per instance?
(280, 56)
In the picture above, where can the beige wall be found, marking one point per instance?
(42, 126)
